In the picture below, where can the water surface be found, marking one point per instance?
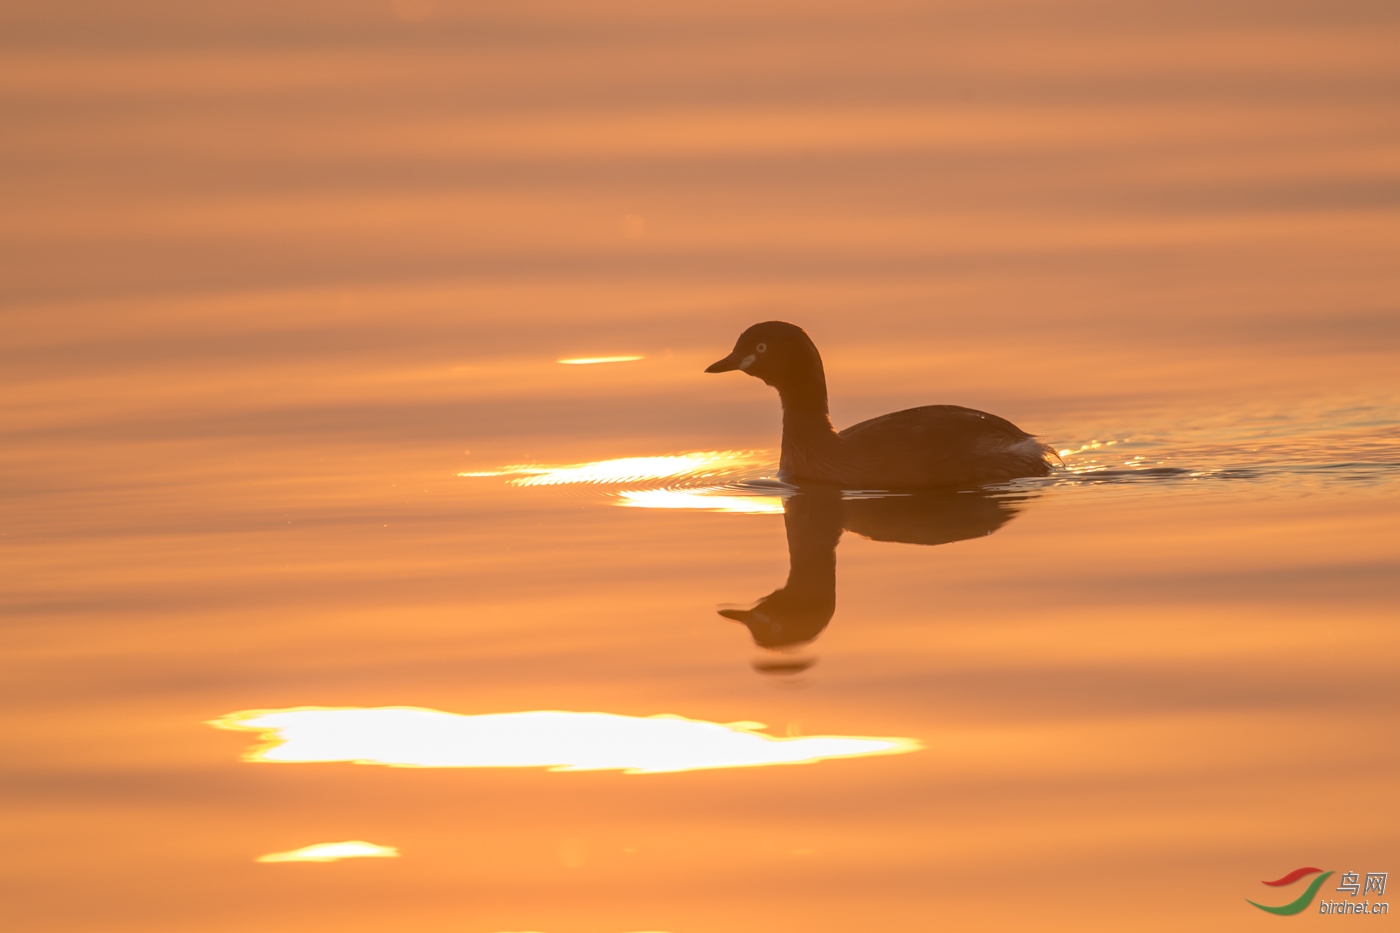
(378, 555)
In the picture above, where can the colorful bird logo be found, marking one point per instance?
(1304, 899)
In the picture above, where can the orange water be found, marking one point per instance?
(274, 275)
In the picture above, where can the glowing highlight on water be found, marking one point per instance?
(590, 360)
(628, 469)
(332, 852)
(702, 499)
(412, 737)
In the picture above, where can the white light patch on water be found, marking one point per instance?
(332, 852)
(627, 469)
(410, 737)
(703, 499)
(591, 360)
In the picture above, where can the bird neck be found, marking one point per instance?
(808, 437)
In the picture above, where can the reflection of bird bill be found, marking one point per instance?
(815, 518)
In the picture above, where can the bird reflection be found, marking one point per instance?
(816, 516)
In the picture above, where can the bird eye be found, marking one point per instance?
(762, 348)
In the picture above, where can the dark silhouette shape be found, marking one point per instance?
(815, 517)
(797, 611)
(944, 446)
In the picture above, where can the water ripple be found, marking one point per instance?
(1335, 448)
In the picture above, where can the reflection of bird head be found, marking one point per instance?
(786, 617)
(799, 610)
(814, 517)
(779, 353)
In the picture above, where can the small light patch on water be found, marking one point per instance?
(594, 360)
(713, 499)
(332, 852)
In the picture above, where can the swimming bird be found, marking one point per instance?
(918, 448)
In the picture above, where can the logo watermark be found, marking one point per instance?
(1351, 884)
(1355, 887)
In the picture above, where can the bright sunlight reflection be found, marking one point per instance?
(706, 499)
(409, 737)
(332, 852)
(627, 469)
(589, 360)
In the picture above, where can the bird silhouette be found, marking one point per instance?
(919, 448)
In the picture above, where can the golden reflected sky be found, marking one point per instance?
(404, 737)
(332, 852)
(273, 274)
(686, 466)
(592, 360)
(711, 500)
(629, 469)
